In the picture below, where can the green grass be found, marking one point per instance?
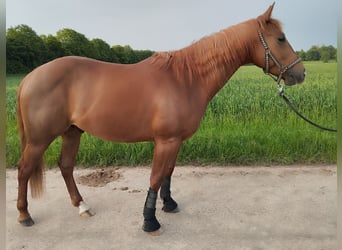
(246, 123)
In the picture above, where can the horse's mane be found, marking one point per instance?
(208, 57)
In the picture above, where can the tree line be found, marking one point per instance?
(25, 50)
(317, 53)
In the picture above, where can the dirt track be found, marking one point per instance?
(220, 208)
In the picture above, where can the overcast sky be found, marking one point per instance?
(168, 25)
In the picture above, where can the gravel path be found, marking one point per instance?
(289, 207)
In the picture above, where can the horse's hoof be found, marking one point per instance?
(28, 222)
(87, 213)
(170, 206)
(171, 211)
(150, 226)
(84, 210)
(156, 233)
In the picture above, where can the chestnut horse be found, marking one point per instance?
(161, 99)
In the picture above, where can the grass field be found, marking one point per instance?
(246, 123)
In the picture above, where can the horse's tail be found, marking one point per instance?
(37, 176)
(37, 180)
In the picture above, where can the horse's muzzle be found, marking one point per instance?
(292, 77)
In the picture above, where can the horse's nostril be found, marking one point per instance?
(304, 72)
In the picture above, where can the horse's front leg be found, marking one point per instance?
(170, 206)
(164, 158)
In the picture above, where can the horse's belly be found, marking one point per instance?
(116, 136)
(116, 127)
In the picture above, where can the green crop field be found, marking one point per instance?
(246, 123)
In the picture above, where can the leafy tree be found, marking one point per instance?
(25, 50)
(129, 54)
(302, 54)
(313, 54)
(324, 55)
(333, 52)
(102, 50)
(75, 43)
(142, 54)
(121, 54)
(53, 46)
(125, 54)
(327, 53)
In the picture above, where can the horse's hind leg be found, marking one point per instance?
(29, 165)
(70, 145)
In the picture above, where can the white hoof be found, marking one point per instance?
(87, 214)
(84, 210)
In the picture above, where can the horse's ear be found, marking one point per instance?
(267, 15)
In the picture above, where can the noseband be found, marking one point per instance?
(268, 55)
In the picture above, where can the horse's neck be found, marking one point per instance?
(232, 49)
(211, 61)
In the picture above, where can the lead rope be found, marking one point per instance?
(294, 109)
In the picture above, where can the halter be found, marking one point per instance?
(268, 55)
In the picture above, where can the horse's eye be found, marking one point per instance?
(282, 39)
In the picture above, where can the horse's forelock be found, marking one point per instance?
(273, 23)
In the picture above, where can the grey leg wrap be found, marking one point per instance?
(150, 221)
(169, 204)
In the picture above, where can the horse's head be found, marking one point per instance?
(273, 52)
